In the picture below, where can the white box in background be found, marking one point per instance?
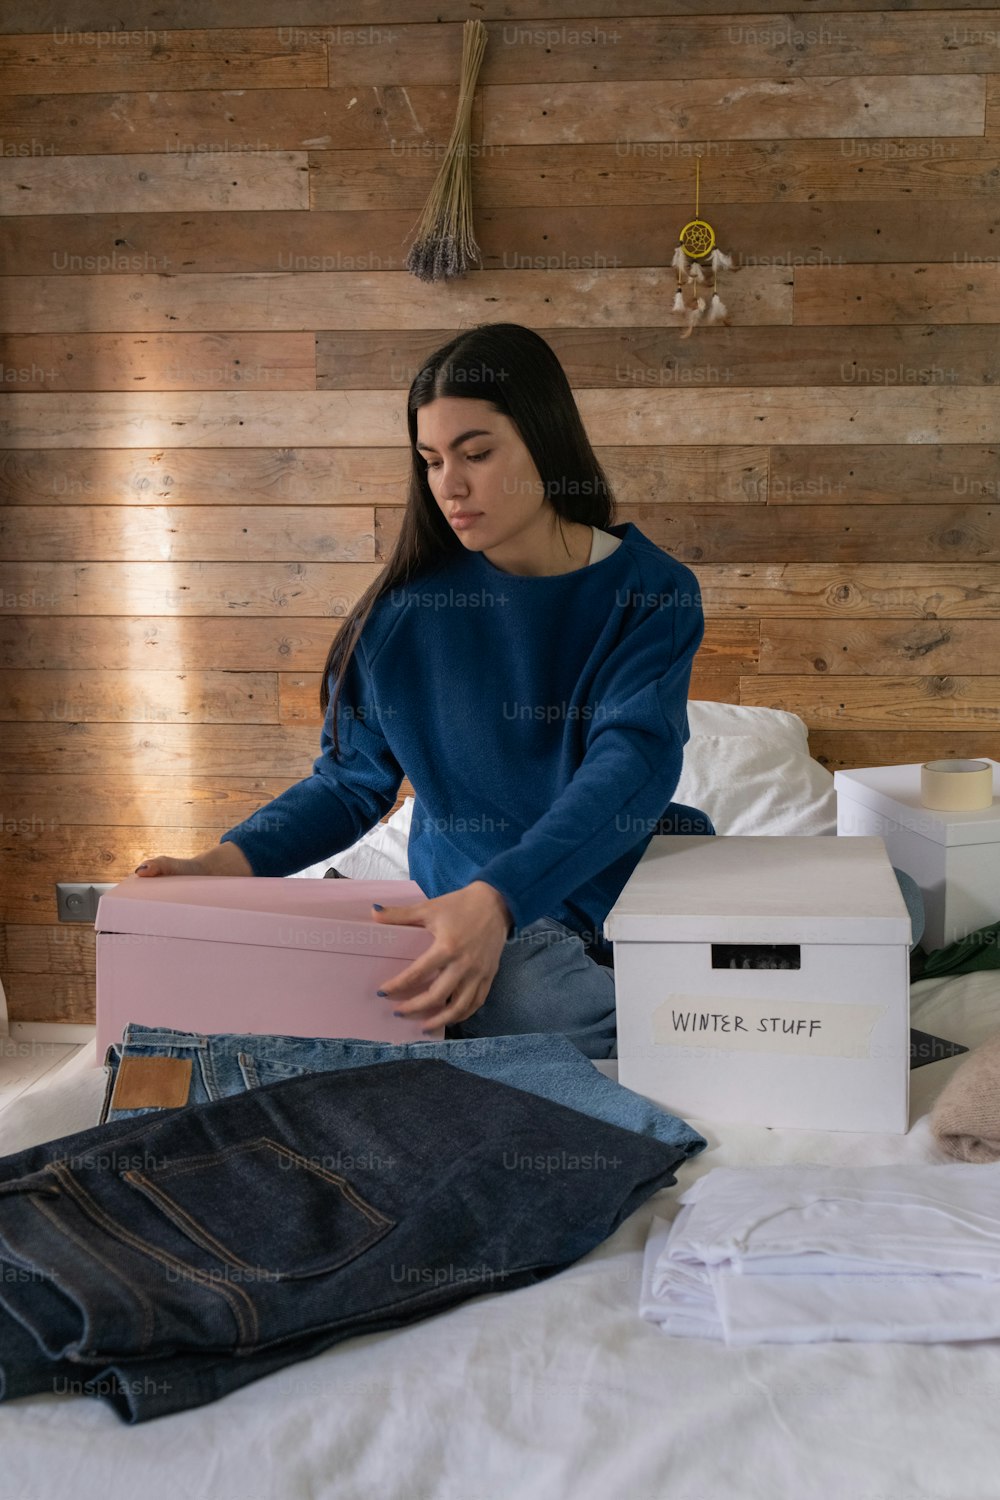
(823, 1046)
(953, 856)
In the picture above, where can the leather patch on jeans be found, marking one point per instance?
(152, 1083)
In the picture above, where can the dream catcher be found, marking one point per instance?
(698, 261)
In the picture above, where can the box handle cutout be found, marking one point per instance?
(756, 956)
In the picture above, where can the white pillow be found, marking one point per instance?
(747, 787)
(380, 854)
(748, 768)
(771, 726)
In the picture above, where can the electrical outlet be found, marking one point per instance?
(77, 902)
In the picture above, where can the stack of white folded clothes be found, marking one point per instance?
(795, 1254)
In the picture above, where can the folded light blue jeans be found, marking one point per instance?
(227, 1063)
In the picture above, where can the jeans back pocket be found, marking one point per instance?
(264, 1210)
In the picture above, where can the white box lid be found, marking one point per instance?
(708, 888)
(894, 791)
(330, 916)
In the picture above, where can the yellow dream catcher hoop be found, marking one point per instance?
(698, 261)
(697, 239)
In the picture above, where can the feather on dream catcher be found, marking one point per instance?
(698, 261)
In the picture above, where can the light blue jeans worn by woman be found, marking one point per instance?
(549, 979)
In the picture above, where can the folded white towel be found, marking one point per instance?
(908, 1252)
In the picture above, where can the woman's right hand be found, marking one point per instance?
(224, 859)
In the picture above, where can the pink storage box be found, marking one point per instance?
(245, 953)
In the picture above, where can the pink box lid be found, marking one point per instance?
(275, 912)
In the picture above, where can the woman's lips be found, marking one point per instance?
(461, 522)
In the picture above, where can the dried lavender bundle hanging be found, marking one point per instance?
(445, 244)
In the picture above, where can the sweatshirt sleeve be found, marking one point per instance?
(342, 799)
(630, 770)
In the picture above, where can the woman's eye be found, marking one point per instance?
(472, 457)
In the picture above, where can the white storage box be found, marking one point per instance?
(822, 1045)
(953, 856)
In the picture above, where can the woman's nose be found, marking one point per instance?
(452, 483)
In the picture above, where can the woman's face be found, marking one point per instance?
(477, 462)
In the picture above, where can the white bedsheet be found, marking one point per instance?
(560, 1391)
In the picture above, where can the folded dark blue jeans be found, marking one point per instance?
(225, 1063)
(175, 1258)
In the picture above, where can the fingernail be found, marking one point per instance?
(139, 867)
(382, 993)
(376, 907)
(397, 1013)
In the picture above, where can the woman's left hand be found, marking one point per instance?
(469, 928)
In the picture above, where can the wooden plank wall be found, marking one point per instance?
(208, 333)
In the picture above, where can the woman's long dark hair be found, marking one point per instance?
(516, 371)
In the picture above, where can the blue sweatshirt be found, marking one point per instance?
(540, 721)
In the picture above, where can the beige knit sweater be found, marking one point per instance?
(966, 1115)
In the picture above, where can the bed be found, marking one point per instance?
(561, 1391)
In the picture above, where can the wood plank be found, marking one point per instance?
(534, 114)
(215, 243)
(420, 53)
(168, 643)
(679, 476)
(101, 15)
(146, 697)
(86, 184)
(258, 749)
(524, 238)
(630, 48)
(654, 172)
(882, 702)
(298, 694)
(919, 354)
(193, 533)
(924, 474)
(63, 948)
(380, 300)
(58, 998)
(831, 533)
(289, 590)
(69, 61)
(255, 645)
(185, 588)
(749, 416)
(992, 129)
(255, 119)
(715, 687)
(886, 648)
(907, 591)
(633, 47)
(153, 802)
(821, 414)
(720, 532)
(343, 476)
(203, 804)
(967, 291)
(141, 418)
(110, 854)
(852, 749)
(42, 857)
(727, 646)
(230, 476)
(162, 361)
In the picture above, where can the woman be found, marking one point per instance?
(526, 665)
